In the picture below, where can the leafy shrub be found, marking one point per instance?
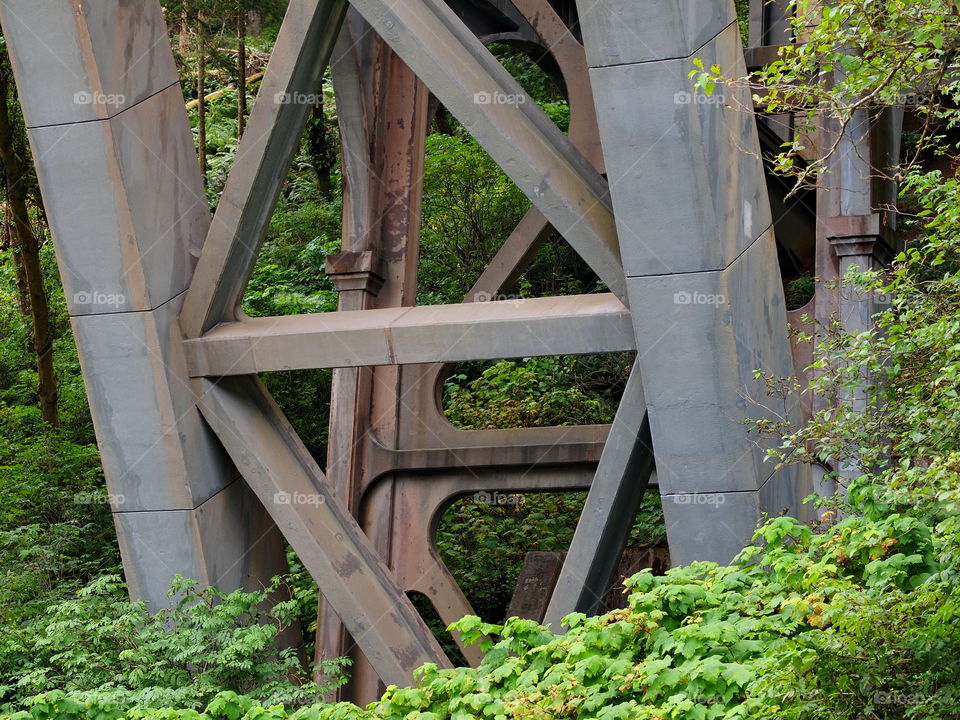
(537, 392)
(800, 291)
(100, 645)
(778, 634)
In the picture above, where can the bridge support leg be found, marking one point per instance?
(702, 274)
(118, 171)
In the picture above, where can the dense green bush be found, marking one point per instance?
(100, 645)
(536, 392)
(779, 634)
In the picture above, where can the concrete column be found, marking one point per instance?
(118, 172)
(700, 260)
(863, 251)
(855, 225)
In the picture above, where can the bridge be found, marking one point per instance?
(661, 191)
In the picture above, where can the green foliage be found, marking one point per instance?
(55, 528)
(778, 634)
(289, 277)
(861, 55)
(527, 70)
(484, 538)
(800, 291)
(536, 392)
(103, 647)
(852, 618)
(470, 207)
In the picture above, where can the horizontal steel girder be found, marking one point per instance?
(571, 325)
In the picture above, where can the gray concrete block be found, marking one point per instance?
(96, 57)
(617, 32)
(709, 526)
(684, 168)
(701, 336)
(207, 544)
(785, 490)
(158, 453)
(126, 207)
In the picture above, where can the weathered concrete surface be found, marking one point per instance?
(609, 511)
(96, 58)
(616, 33)
(710, 526)
(349, 571)
(419, 502)
(620, 33)
(535, 584)
(516, 133)
(703, 270)
(125, 204)
(713, 330)
(157, 545)
(770, 24)
(157, 452)
(124, 200)
(697, 191)
(541, 571)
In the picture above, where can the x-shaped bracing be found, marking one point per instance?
(226, 349)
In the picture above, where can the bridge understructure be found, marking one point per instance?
(664, 196)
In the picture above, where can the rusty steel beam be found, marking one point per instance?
(421, 500)
(326, 538)
(569, 325)
(307, 36)
(540, 159)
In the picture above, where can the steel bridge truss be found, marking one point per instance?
(652, 187)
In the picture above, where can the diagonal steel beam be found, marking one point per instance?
(513, 258)
(608, 514)
(289, 483)
(573, 325)
(540, 159)
(296, 67)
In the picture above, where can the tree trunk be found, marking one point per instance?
(202, 106)
(321, 153)
(242, 73)
(183, 36)
(20, 275)
(28, 248)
